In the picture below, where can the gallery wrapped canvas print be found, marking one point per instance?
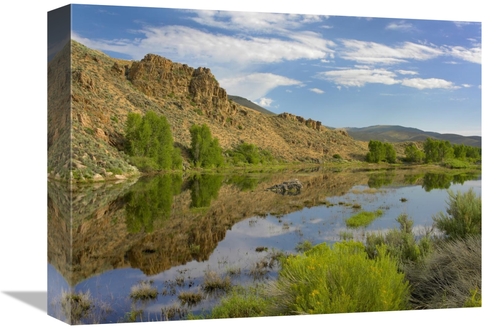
(220, 164)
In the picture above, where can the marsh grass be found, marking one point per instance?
(143, 291)
(79, 308)
(190, 298)
(214, 283)
(76, 306)
(363, 218)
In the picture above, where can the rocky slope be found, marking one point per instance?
(104, 90)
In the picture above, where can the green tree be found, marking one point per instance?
(150, 142)
(437, 150)
(205, 150)
(379, 151)
(413, 154)
(473, 153)
(460, 151)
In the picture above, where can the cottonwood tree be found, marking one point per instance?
(150, 142)
(205, 150)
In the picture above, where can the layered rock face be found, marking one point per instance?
(308, 123)
(161, 78)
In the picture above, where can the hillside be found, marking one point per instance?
(396, 134)
(105, 90)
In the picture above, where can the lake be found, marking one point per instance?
(169, 232)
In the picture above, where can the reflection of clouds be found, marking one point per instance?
(262, 228)
(316, 220)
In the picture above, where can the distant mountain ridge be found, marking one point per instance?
(396, 134)
(247, 103)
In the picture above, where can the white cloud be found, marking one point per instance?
(256, 85)
(405, 72)
(186, 44)
(428, 83)
(470, 55)
(359, 77)
(400, 26)
(265, 102)
(254, 21)
(466, 85)
(317, 91)
(376, 53)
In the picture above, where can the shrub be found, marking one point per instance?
(400, 243)
(338, 279)
(450, 277)
(463, 216)
(249, 153)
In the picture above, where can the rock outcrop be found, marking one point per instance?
(309, 122)
(291, 187)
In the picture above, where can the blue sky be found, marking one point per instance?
(343, 71)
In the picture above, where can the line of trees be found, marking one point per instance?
(434, 151)
(439, 151)
(150, 146)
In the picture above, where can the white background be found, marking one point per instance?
(23, 161)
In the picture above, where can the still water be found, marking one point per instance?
(170, 231)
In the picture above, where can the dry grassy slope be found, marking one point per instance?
(104, 90)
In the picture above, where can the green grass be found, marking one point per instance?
(242, 303)
(363, 218)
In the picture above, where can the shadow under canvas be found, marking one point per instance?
(37, 299)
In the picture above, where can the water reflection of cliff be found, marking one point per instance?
(164, 221)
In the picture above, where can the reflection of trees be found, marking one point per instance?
(436, 181)
(150, 201)
(444, 181)
(245, 183)
(413, 179)
(380, 179)
(204, 189)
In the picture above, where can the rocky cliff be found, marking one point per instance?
(101, 91)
